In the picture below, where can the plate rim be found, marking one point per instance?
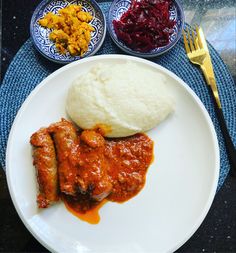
(207, 117)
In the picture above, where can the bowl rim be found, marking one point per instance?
(148, 54)
(40, 6)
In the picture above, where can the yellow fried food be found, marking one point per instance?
(71, 29)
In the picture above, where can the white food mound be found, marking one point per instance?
(126, 97)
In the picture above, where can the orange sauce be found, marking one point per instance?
(103, 129)
(91, 216)
(128, 159)
(122, 162)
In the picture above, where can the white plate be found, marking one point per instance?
(180, 185)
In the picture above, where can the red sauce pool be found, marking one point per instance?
(126, 161)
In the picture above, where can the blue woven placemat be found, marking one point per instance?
(29, 68)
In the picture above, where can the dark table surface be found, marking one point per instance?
(218, 231)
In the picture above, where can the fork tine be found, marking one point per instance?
(186, 42)
(195, 40)
(198, 37)
(190, 41)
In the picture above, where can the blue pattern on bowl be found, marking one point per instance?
(40, 35)
(118, 7)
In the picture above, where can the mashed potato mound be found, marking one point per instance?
(125, 98)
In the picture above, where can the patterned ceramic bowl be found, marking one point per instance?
(40, 35)
(118, 7)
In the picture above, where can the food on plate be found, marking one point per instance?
(45, 162)
(66, 144)
(128, 159)
(145, 25)
(71, 30)
(72, 153)
(91, 168)
(120, 99)
(93, 175)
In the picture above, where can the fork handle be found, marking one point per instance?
(231, 151)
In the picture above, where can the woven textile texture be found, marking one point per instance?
(29, 68)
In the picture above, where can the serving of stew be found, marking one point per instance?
(89, 168)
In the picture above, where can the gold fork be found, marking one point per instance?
(198, 53)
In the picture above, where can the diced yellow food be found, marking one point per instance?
(87, 36)
(71, 29)
(43, 22)
(60, 48)
(84, 16)
(59, 36)
(73, 49)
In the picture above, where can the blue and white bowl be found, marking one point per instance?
(40, 35)
(118, 7)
